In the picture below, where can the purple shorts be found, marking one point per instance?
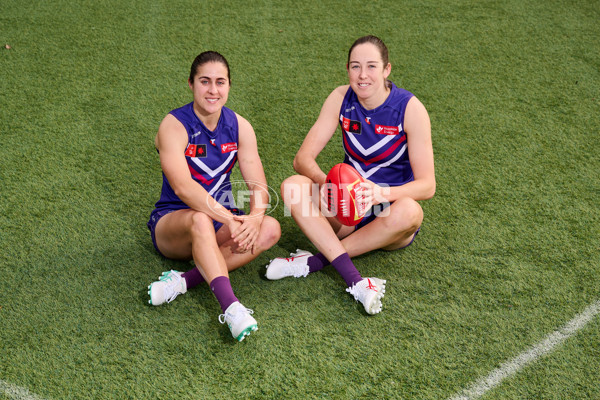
(157, 214)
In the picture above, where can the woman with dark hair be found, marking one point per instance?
(198, 146)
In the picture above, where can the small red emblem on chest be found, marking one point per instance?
(196, 150)
(228, 147)
(386, 130)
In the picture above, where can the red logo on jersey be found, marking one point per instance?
(351, 126)
(386, 130)
(196, 150)
(191, 150)
(228, 147)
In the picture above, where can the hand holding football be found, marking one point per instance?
(344, 198)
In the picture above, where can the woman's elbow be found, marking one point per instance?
(430, 192)
(181, 190)
(296, 163)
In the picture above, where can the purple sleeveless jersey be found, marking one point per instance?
(374, 140)
(210, 156)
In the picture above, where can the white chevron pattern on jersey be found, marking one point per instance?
(375, 147)
(371, 171)
(210, 171)
(217, 185)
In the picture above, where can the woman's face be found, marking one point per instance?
(210, 87)
(366, 72)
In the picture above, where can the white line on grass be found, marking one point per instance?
(511, 367)
(16, 393)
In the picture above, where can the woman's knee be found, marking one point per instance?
(201, 226)
(406, 214)
(270, 233)
(294, 187)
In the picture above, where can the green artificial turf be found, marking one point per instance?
(508, 251)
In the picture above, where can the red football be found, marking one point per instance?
(343, 190)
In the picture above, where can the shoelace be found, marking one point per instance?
(170, 290)
(359, 293)
(298, 254)
(295, 268)
(236, 314)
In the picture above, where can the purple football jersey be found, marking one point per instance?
(374, 140)
(211, 155)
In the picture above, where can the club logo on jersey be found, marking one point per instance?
(386, 130)
(351, 126)
(196, 150)
(228, 147)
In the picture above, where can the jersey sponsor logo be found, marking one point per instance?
(386, 130)
(228, 147)
(351, 126)
(196, 150)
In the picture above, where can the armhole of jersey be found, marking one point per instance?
(236, 127)
(175, 113)
(404, 111)
(340, 113)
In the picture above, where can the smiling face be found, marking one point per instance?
(367, 74)
(210, 86)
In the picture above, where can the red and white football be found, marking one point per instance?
(343, 191)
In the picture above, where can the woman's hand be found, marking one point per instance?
(372, 194)
(246, 233)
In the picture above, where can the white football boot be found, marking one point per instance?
(170, 285)
(239, 320)
(295, 265)
(369, 292)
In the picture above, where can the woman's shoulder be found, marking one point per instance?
(171, 122)
(242, 122)
(341, 90)
(337, 95)
(169, 129)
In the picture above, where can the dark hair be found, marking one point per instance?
(383, 50)
(206, 57)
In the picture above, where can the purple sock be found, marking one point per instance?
(193, 278)
(344, 266)
(221, 287)
(316, 263)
